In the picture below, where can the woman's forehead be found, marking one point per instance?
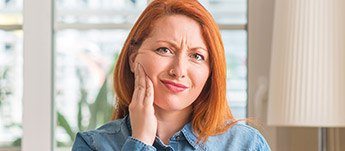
(178, 29)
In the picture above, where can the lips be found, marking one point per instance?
(174, 87)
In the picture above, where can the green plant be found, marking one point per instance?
(100, 109)
(5, 90)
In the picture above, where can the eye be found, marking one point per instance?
(163, 50)
(198, 57)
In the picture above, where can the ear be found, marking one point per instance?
(132, 61)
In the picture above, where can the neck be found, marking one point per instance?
(170, 122)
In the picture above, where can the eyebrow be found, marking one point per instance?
(176, 46)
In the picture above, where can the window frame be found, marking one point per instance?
(38, 106)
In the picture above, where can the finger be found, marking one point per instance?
(135, 92)
(136, 70)
(149, 95)
(136, 83)
(141, 84)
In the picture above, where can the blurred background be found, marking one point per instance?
(87, 38)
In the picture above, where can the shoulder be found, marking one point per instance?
(239, 137)
(103, 137)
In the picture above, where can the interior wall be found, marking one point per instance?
(260, 25)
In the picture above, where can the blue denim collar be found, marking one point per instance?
(191, 137)
(128, 124)
(187, 132)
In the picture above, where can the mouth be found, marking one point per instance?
(173, 86)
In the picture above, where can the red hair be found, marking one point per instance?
(211, 114)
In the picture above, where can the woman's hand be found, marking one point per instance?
(141, 111)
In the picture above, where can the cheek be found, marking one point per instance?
(150, 66)
(200, 77)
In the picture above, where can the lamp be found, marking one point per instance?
(307, 79)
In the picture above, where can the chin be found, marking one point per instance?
(170, 105)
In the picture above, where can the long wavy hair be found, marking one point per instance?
(211, 113)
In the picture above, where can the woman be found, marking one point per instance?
(170, 87)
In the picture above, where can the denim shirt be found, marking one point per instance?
(116, 135)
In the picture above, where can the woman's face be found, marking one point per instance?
(176, 59)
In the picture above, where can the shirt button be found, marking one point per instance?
(178, 137)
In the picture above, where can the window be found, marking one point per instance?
(89, 37)
(11, 70)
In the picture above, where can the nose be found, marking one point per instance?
(179, 67)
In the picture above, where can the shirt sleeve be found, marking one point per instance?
(82, 143)
(136, 145)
